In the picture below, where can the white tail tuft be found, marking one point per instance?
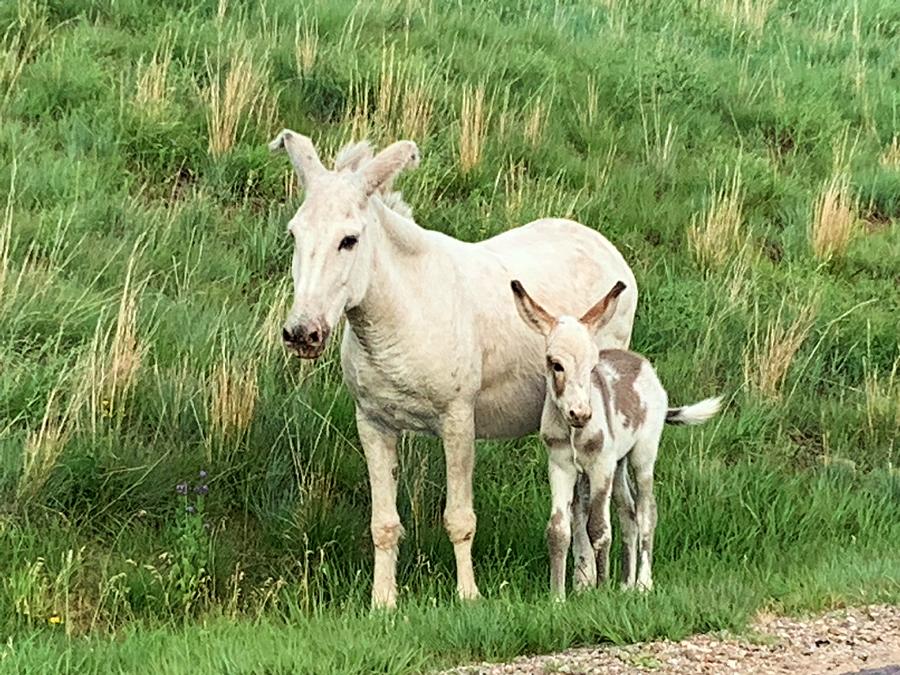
(696, 413)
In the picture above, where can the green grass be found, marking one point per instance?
(141, 273)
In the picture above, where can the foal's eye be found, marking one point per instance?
(347, 243)
(557, 366)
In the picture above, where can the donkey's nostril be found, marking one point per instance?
(313, 337)
(286, 336)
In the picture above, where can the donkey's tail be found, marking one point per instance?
(696, 413)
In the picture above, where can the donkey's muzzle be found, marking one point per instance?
(307, 340)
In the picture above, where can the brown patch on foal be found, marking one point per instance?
(625, 397)
(594, 445)
(556, 538)
(600, 382)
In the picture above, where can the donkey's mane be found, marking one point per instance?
(352, 156)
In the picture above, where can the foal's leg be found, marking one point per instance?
(381, 456)
(643, 459)
(628, 522)
(585, 575)
(563, 475)
(458, 434)
(599, 528)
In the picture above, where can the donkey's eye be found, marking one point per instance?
(347, 243)
(557, 366)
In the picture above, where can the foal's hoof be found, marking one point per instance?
(645, 586)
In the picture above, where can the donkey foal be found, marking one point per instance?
(601, 407)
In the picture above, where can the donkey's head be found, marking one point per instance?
(571, 350)
(333, 249)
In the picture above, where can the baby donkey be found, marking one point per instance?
(601, 406)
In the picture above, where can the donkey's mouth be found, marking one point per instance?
(309, 353)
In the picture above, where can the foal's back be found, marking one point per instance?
(635, 402)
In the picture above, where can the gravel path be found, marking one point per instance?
(864, 641)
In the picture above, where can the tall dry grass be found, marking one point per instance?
(718, 234)
(473, 122)
(834, 220)
(882, 403)
(306, 45)
(116, 355)
(238, 92)
(6, 232)
(153, 86)
(44, 445)
(768, 356)
(890, 158)
(536, 121)
(233, 392)
(402, 105)
(18, 47)
(749, 16)
(659, 134)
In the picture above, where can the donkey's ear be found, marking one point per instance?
(301, 152)
(532, 313)
(600, 314)
(380, 172)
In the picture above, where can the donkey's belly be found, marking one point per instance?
(510, 409)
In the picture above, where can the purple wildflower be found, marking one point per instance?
(201, 489)
(190, 509)
(181, 488)
(203, 474)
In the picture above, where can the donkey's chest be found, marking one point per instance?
(402, 394)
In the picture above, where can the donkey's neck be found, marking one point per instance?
(402, 252)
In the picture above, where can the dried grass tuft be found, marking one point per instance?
(473, 121)
(233, 392)
(835, 222)
(151, 95)
(236, 94)
(770, 352)
(715, 237)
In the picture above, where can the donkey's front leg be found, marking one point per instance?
(381, 456)
(458, 434)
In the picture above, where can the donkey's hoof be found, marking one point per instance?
(469, 594)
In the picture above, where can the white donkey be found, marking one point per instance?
(433, 342)
(632, 408)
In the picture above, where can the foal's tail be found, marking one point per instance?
(696, 413)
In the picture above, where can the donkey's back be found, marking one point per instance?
(565, 263)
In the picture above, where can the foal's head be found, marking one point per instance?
(333, 248)
(572, 352)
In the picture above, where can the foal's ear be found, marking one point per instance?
(301, 152)
(600, 314)
(532, 313)
(380, 172)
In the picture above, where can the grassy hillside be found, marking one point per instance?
(744, 155)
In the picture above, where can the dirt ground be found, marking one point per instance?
(863, 640)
